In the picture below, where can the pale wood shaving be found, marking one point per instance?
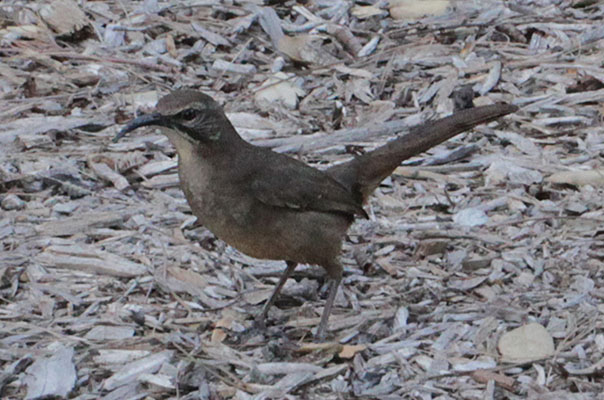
(111, 289)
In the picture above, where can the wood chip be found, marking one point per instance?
(91, 260)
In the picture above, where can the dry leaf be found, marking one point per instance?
(280, 89)
(64, 17)
(526, 343)
(305, 49)
(348, 351)
(363, 12)
(593, 177)
(219, 334)
(483, 376)
(171, 46)
(329, 347)
(415, 9)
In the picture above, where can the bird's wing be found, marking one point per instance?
(286, 182)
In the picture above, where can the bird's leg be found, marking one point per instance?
(291, 266)
(334, 283)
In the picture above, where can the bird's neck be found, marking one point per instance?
(229, 143)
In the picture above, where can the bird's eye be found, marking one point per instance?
(188, 115)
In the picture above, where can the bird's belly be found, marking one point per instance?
(276, 233)
(300, 236)
(263, 231)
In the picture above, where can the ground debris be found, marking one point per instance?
(111, 289)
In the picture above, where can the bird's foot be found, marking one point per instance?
(320, 335)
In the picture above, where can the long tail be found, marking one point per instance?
(363, 174)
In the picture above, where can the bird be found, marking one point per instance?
(269, 205)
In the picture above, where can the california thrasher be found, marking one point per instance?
(271, 206)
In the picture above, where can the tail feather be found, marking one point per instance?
(363, 174)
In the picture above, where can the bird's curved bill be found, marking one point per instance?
(143, 120)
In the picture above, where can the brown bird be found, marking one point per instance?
(271, 206)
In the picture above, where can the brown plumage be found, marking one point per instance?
(271, 206)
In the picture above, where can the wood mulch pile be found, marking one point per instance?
(480, 274)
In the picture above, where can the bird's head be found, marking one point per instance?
(185, 114)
